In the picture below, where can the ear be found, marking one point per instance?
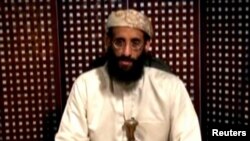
(147, 45)
(107, 42)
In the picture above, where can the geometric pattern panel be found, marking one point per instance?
(225, 64)
(29, 93)
(175, 38)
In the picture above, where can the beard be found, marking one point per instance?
(121, 75)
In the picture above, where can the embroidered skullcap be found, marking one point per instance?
(130, 18)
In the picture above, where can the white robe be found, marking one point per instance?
(97, 108)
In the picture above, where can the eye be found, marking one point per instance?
(136, 43)
(118, 42)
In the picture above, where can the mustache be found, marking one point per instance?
(125, 58)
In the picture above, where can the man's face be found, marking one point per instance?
(126, 53)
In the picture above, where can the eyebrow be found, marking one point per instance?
(134, 39)
(121, 38)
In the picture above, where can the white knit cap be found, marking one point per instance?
(130, 18)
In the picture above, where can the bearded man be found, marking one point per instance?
(126, 99)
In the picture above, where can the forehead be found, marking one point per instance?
(127, 32)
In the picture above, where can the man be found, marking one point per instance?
(124, 99)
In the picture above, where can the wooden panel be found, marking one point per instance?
(175, 38)
(30, 92)
(225, 65)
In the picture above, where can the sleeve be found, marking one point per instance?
(73, 125)
(184, 120)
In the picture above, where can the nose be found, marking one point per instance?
(127, 50)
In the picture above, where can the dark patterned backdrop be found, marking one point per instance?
(225, 65)
(46, 44)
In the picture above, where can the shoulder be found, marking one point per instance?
(167, 84)
(92, 76)
(163, 80)
(159, 74)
